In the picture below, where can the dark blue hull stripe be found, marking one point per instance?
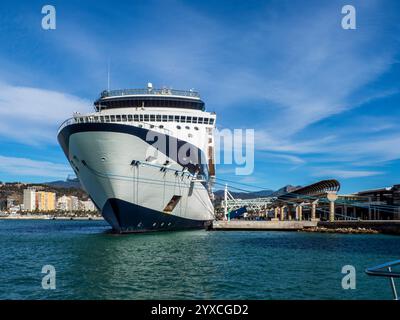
(65, 133)
(126, 217)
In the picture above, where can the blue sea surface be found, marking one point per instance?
(92, 263)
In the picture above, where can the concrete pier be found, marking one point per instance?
(382, 226)
(262, 225)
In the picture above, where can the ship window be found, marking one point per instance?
(141, 117)
(123, 117)
(170, 118)
(112, 117)
(161, 126)
(190, 135)
(96, 119)
(152, 117)
(136, 117)
(118, 118)
(101, 118)
(164, 118)
(205, 120)
(187, 127)
(178, 127)
(183, 118)
(211, 121)
(177, 118)
(107, 118)
(194, 120)
(172, 203)
(158, 117)
(130, 117)
(196, 128)
(200, 120)
(146, 117)
(189, 119)
(152, 126)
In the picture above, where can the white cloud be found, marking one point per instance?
(25, 167)
(32, 115)
(313, 70)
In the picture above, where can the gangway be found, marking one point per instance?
(252, 205)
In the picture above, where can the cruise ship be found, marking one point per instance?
(146, 158)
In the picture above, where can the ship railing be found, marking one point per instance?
(152, 91)
(66, 123)
(385, 270)
(97, 119)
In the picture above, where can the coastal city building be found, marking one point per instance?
(87, 205)
(3, 204)
(11, 202)
(45, 201)
(383, 203)
(29, 199)
(16, 208)
(38, 200)
(64, 203)
(72, 203)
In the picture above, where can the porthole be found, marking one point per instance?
(154, 224)
(190, 135)
(196, 128)
(151, 126)
(178, 127)
(162, 224)
(103, 159)
(161, 126)
(187, 127)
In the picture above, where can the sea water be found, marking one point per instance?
(92, 263)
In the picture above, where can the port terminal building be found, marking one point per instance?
(319, 201)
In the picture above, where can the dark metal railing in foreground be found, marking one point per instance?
(385, 270)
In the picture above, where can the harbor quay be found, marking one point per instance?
(254, 225)
(315, 208)
(360, 226)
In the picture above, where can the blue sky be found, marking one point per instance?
(324, 102)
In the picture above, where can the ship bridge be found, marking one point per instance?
(149, 98)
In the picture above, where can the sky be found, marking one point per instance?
(323, 101)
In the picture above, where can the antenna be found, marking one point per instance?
(108, 75)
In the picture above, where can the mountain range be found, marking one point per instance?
(219, 194)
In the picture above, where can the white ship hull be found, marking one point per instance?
(132, 196)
